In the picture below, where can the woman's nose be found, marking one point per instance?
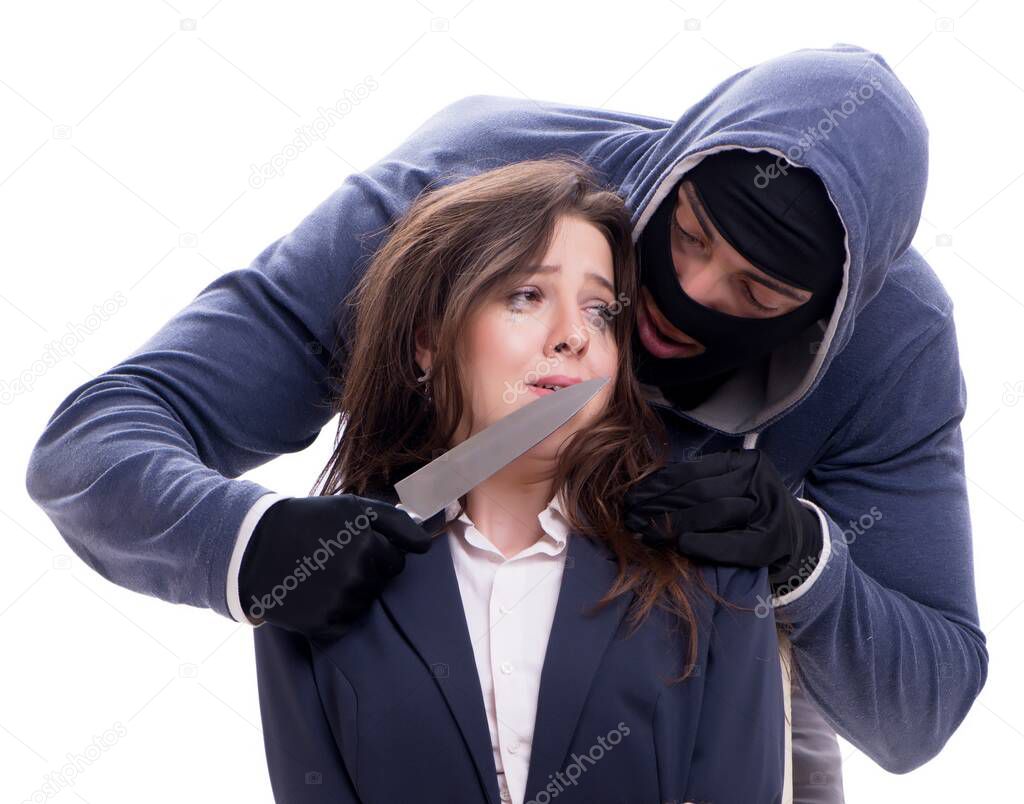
(569, 335)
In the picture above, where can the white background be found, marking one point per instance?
(128, 140)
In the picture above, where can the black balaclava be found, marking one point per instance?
(780, 218)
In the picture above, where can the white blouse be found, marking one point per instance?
(510, 605)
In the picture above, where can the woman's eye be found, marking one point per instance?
(601, 313)
(755, 302)
(517, 297)
(523, 298)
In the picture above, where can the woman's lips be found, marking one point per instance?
(656, 343)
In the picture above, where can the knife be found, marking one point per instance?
(431, 488)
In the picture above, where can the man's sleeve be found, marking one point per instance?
(139, 467)
(237, 606)
(885, 634)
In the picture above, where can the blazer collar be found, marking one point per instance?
(427, 607)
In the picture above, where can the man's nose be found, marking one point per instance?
(703, 284)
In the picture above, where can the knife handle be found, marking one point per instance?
(415, 517)
(432, 525)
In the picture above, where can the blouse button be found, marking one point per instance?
(506, 668)
(513, 747)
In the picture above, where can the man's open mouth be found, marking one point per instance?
(656, 343)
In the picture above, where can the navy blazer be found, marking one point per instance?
(393, 712)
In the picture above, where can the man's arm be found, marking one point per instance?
(138, 467)
(885, 635)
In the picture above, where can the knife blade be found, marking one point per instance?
(431, 488)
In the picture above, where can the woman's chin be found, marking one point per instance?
(557, 441)
(548, 448)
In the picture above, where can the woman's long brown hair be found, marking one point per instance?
(454, 248)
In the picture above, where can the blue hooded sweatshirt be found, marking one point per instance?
(138, 468)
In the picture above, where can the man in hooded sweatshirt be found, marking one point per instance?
(802, 351)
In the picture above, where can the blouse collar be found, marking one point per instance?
(554, 524)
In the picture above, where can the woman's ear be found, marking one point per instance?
(424, 355)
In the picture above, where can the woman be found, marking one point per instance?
(499, 665)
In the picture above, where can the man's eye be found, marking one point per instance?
(755, 302)
(689, 238)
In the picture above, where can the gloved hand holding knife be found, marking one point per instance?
(373, 536)
(339, 567)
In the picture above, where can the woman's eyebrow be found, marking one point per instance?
(554, 269)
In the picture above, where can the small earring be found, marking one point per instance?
(425, 380)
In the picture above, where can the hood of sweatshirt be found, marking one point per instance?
(844, 114)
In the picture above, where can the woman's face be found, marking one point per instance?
(511, 337)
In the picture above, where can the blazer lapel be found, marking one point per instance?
(577, 643)
(427, 606)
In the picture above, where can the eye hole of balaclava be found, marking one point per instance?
(781, 219)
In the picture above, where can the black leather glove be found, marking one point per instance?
(314, 564)
(728, 507)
